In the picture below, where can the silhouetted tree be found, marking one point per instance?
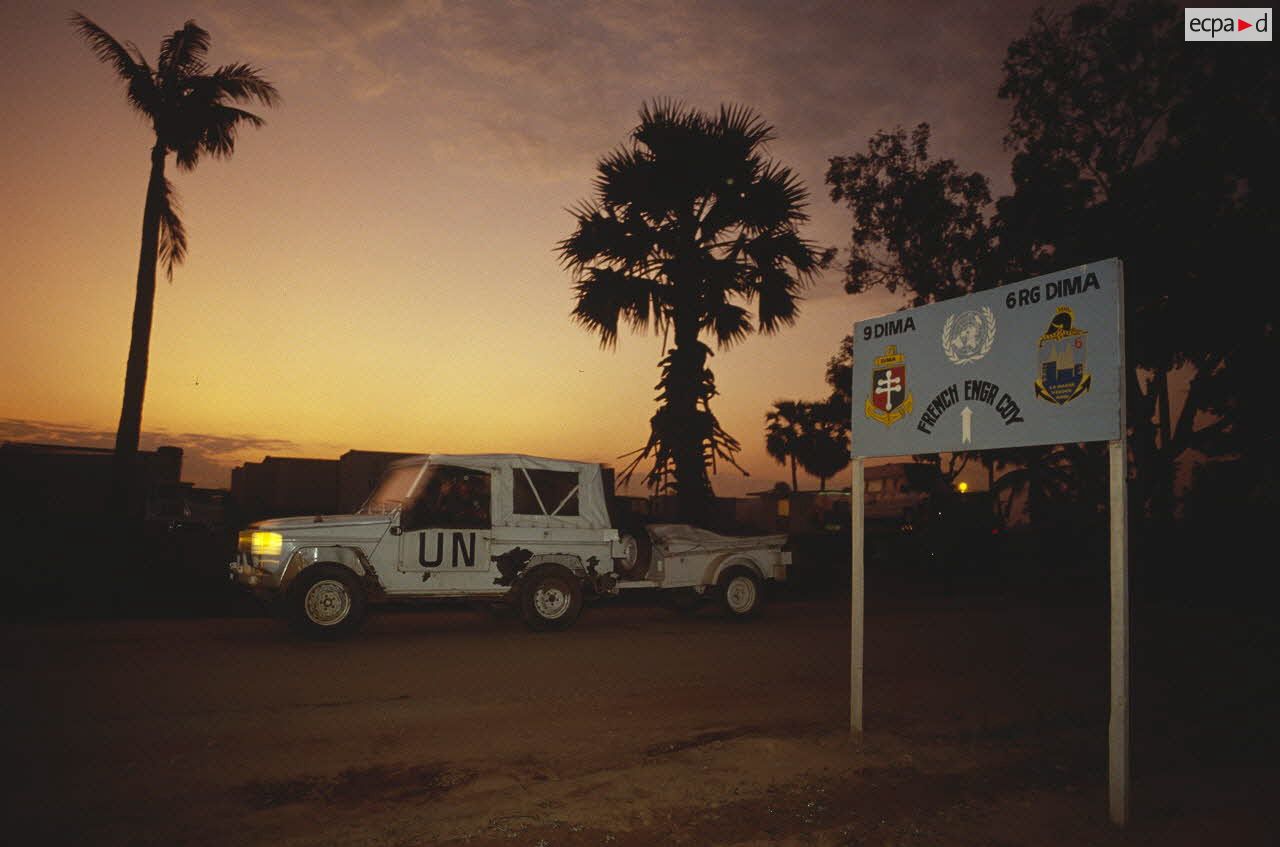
(813, 436)
(823, 448)
(690, 223)
(1048, 477)
(919, 223)
(784, 427)
(189, 108)
(1128, 141)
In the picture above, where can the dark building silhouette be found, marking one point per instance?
(283, 487)
(59, 480)
(358, 474)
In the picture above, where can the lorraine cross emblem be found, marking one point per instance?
(889, 401)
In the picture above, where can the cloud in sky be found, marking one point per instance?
(536, 76)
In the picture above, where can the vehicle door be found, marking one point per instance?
(447, 530)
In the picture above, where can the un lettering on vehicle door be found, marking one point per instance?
(446, 531)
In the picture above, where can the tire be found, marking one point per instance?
(741, 593)
(639, 547)
(325, 602)
(550, 599)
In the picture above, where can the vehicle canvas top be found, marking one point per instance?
(531, 491)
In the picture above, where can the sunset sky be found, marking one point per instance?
(376, 268)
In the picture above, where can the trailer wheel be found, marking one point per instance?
(326, 601)
(550, 599)
(741, 593)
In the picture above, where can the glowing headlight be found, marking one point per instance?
(266, 543)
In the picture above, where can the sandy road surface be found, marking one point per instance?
(638, 726)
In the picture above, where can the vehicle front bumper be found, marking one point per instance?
(245, 572)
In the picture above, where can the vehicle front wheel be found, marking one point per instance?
(551, 599)
(326, 601)
(741, 593)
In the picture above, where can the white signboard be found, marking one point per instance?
(1036, 362)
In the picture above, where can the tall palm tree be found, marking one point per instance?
(189, 107)
(786, 423)
(691, 223)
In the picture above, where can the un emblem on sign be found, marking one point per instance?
(968, 336)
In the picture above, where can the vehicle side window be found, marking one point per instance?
(552, 486)
(451, 498)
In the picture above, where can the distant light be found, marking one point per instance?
(962, 487)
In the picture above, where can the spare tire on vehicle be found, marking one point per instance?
(638, 552)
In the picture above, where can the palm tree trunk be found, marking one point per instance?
(688, 360)
(126, 490)
(794, 483)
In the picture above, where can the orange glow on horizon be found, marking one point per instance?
(375, 267)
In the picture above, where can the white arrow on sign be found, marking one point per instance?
(966, 429)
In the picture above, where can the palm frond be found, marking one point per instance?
(126, 59)
(173, 235)
(207, 128)
(587, 243)
(106, 48)
(730, 324)
(142, 93)
(777, 305)
(182, 53)
(220, 132)
(605, 297)
(243, 83)
(777, 199)
(743, 121)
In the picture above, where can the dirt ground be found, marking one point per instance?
(986, 721)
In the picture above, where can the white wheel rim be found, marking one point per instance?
(741, 594)
(327, 602)
(631, 552)
(551, 601)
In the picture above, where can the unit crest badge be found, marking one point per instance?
(1062, 377)
(890, 401)
(967, 336)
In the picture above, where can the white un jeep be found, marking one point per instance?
(530, 531)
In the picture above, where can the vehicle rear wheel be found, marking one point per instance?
(326, 601)
(741, 593)
(551, 599)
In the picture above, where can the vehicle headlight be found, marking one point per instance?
(264, 543)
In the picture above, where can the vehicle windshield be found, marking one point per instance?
(393, 490)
